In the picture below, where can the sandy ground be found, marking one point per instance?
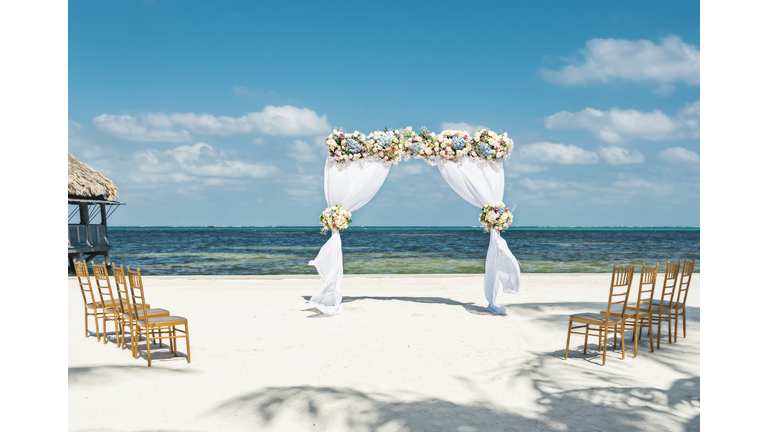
(409, 353)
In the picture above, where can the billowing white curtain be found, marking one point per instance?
(483, 184)
(350, 188)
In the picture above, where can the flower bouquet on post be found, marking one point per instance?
(335, 219)
(386, 145)
(345, 147)
(496, 217)
(490, 146)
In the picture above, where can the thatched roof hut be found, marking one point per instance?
(87, 183)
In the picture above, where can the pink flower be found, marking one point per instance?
(341, 135)
(482, 139)
(496, 208)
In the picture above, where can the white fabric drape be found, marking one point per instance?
(350, 188)
(484, 185)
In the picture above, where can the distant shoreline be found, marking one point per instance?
(358, 228)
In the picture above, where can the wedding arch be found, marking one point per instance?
(472, 164)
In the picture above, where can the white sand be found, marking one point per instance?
(409, 353)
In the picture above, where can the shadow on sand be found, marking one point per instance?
(590, 409)
(469, 307)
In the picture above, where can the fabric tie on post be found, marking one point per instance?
(483, 184)
(351, 188)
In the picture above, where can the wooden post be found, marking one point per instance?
(103, 208)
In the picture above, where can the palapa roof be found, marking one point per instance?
(87, 183)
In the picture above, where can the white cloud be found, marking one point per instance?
(618, 126)
(547, 152)
(541, 185)
(621, 156)
(678, 154)
(639, 61)
(634, 184)
(514, 169)
(73, 127)
(461, 126)
(284, 121)
(145, 127)
(198, 163)
(302, 152)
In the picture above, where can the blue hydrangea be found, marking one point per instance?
(416, 147)
(457, 143)
(354, 146)
(485, 149)
(385, 140)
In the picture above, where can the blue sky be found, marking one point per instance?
(214, 113)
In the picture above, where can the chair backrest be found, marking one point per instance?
(621, 281)
(670, 280)
(121, 286)
(103, 287)
(685, 281)
(137, 294)
(647, 286)
(84, 279)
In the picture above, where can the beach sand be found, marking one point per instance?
(408, 353)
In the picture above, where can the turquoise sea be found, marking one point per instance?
(390, 250)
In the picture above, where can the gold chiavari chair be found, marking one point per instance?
(127, 316)
(661, 309)
(621, 280)
(167, 326)
(638, 315)
(682, 291)
(110, 311)
(86, 289)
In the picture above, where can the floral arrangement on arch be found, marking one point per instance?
(345, 147)
(387, 145)
(491, 146)
(392, 146)
(419, 145)
(453, 145)
(496, 217)
(335, 218)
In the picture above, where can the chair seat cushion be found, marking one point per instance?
(630, 313)
(163, 321)
(151, 313)
(594, 318)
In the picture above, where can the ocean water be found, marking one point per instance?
(393, 250)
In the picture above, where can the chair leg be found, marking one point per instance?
(567, 341)
(586, 335)
(96, 320)
(149, 351)
(104, 322)
(189, 353)
(650, 332)
(622, 341)
(605, 342)
(658, 332)
(684, 321)
(86, 323)
(669, 325)
(635, 332)
(675, 325)
(172, 339)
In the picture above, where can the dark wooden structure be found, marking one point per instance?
(91, 201)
